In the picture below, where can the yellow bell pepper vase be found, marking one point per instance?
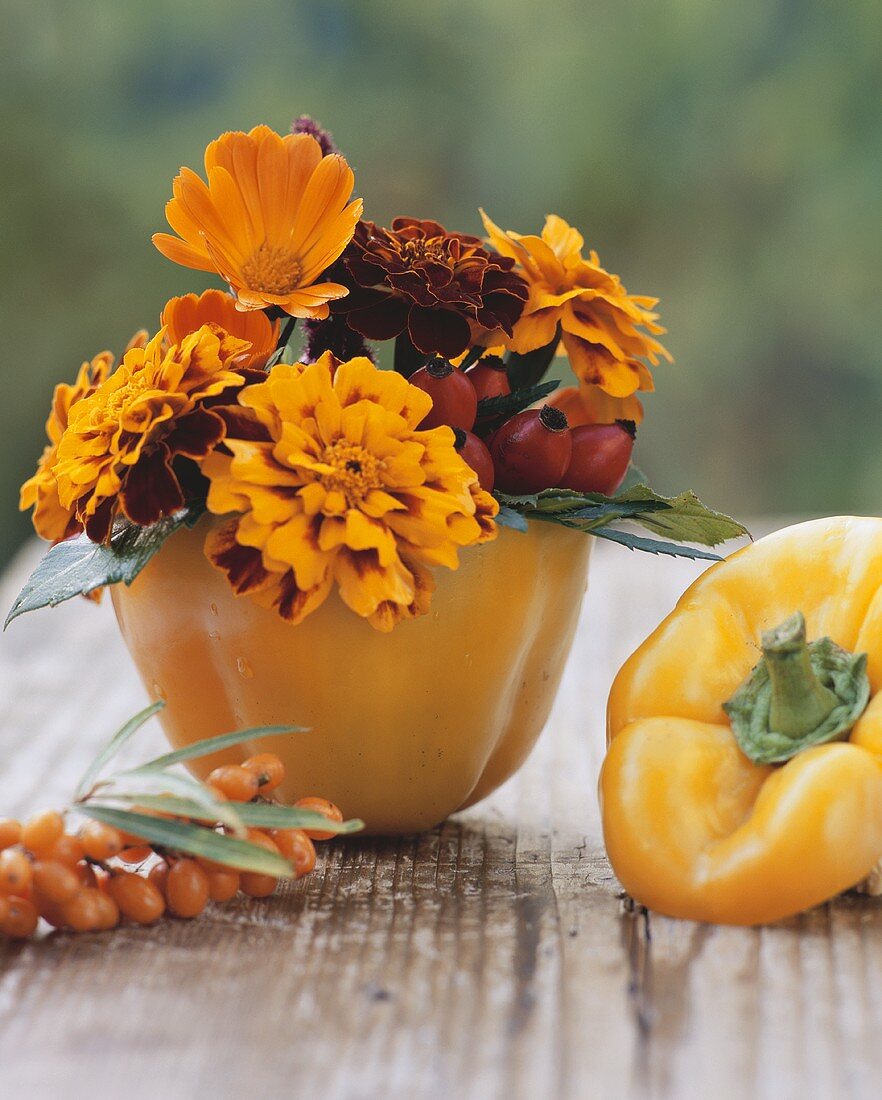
(404, 728)
(743, 780)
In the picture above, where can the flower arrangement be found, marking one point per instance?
(325, 471)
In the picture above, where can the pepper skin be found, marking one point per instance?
(406, 727)
(693, 829)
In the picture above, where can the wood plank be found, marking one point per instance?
(492, 957)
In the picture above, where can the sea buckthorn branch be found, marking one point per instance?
(158, 841)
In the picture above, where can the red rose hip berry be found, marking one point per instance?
(489, 377)
(454, 401)
(475, 454)
(532, 450)
(600, 458)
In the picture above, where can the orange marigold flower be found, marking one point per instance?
(340, 485)
(52, 521)
(444, 289)
(587, 404)
(273, 216)
(602, 324)
(117, 453)
(187, 314)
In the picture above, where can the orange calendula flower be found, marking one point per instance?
(187, 314)
(605, 330)
(272, 217)
(337, 484)
(586, 404)
(116, 456)
(51, 520)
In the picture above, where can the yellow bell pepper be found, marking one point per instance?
(404, 728)
(699, 822)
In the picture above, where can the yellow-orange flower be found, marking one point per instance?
(51, 520)
(587, 404)
(116, 455)
(273, 216)
(187, 314)
(606, 331)
(342, 487)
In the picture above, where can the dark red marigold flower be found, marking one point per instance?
(446, 289)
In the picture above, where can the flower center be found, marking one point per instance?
(419, 249)
(356, 471)
(272, 270)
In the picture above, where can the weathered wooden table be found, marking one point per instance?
(493, 957)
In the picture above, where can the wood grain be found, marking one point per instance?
(493, 957)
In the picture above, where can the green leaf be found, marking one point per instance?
(508, 517)
(653, 546)
(79, 566)
(113, 746)
(215, 744)
(492, 410)
(685, 519)
(138, 786)
(528, 369)
(196, 840)
(270, 815)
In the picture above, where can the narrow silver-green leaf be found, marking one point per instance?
(132, 786)
(270, 815)
(215, 744)
(195, 840)
(114, 745)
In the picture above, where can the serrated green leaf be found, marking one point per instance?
(492, 410)
(654, 546)
(685, 519)
(508, 517)
(114, 745)
(196, 840)
(215, 744)
(79, 566)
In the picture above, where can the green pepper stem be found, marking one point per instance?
(799, 701)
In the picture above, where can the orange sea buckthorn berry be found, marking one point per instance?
(158, 875)
(20, 918)
(67, 850)
(135, 855)
(82, 913)
(236, 782)
(137, 897)
(85, 872)
(297, 848)
(15, 872)
(268, 769)
(107, 910)
(55, 881)
(223, 885)
(320, 806)
(49, 911)
(100, 841)
(10, 832)
(252, 883)
(187, 888)
(41, 831)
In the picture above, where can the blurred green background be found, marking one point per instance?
(725, 157)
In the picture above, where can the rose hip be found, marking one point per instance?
(489, 377)
(475, 454)
(532, 450)
(454, 401)
(600, 457)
